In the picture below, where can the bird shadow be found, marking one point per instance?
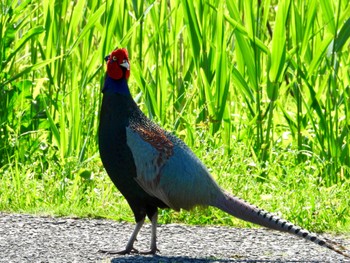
(185, 259)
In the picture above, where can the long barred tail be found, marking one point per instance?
(243, 210)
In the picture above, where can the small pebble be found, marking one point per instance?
(27, 238)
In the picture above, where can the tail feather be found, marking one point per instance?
(243, 210)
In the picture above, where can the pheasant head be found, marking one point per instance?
(118, 64)
(118, 72)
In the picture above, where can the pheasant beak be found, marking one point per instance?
(125, 64)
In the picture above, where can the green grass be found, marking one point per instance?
(258, 89)
(292, 191)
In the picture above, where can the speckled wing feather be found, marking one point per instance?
(167, 169)
(149, 160)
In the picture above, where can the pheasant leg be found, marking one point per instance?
(153, 249)
(130, 245)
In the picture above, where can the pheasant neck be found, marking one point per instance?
(116, 86)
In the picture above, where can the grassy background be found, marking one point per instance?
(259, 90)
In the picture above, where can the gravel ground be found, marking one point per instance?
(26, 238)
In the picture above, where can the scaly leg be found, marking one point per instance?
(130, 245)
(153, 249)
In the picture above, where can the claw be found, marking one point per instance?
(122, 252)
(153, 251)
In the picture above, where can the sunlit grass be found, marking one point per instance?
(292, 191)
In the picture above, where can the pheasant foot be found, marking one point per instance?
(152, 251)
(122, 252)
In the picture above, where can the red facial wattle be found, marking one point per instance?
(116, 64)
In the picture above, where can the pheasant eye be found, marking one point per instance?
(114, 58)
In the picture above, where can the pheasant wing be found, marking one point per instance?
(167, 169)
